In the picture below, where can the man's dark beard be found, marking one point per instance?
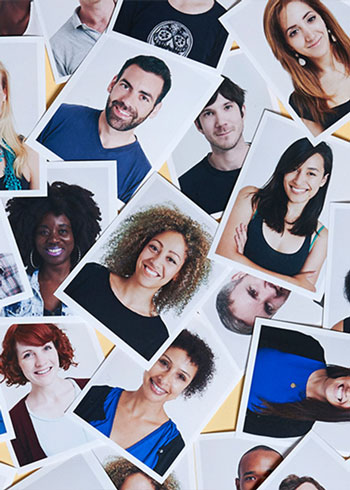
(122, 125)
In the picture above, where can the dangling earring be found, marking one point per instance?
(78, 254)
(31, 259)
(332, 36)
(301, 61)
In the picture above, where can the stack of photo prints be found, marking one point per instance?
(174, 244)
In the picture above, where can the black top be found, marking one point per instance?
(291, 342)
(332, 117)
(259, 251)
(201, 37)
(207, 186)
(23, 181)
(91, 289)
(346, 324)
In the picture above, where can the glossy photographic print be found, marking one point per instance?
(147, 273)
(54, 359)
(309, 390)
(183, 389)
(207, 161)
(286, 243)
(294, 46)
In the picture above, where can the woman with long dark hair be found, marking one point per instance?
(287, 402)
(52, 234)
(275, 229)
(313, 48)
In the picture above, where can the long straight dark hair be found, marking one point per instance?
(271, 201)
(310, 408)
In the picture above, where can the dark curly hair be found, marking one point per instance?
(119, 470)
(133, 234)
(35, 334)
(201, 356)
(75, 202)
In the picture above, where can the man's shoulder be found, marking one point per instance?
(60, 36)
(67, 113)
(195, 171)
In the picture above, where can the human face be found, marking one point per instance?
(137, 481)
(54, 239)
(169, 376)
(304, 183)
(337, 391)
(222, 124)
(306, 486)
(254, 297)
(161, 259)
(304, 30)
(132, 98)
(39, 364)
(255, 467)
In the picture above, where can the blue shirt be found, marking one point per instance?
(280, 377)
(146, 449)
(72, 133)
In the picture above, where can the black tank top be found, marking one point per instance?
(259, 251)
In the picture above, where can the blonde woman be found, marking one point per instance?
(19, 165)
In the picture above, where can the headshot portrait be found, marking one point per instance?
(71, 29)
(337, 293)
(307, 387)
(147, 271)
(311, 465)
(190, 29)
(208, 160)
(243, 465)
(288, 241)
(305, 47)
(189, 374)
(21, 169)
(52, 234)
(53, 363)
(19, 18)
(136, 94)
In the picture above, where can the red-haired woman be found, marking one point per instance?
(34, 353)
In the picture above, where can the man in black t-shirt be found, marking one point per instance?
(209, 183)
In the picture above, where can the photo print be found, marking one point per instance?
(195, 374)
(22, 102)
(240, 298)
(71, 29)
(296, 48)
(14, 284)
(144, 86)
(19, 18)
(55, 358)
(337, 295)
(310, 389)
(207, 161)
(7, 475)
(149, 270)
(243, 464)
(124, 474)
(311, 465)
(286, 244)
(184, 28)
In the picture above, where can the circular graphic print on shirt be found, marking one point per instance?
(173, 36)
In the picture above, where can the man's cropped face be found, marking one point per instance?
(255, 467)
(133, 98)
(222, 123)
(254, 297)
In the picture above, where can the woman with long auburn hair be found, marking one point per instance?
(313, 48)
(19, 164)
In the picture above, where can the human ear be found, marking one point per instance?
(238, 486)
(324, 180)
(198, 126)
(111, 85)
(155, 110)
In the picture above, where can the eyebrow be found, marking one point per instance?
(295, 25)
(161, 244)
(182, 370)
(143, 92)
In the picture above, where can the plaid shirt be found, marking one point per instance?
(9, 280)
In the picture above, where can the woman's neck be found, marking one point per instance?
(133, 295)
(54, 273)
(51, 400)
(139, 407)
(294, 211)
(315, 384)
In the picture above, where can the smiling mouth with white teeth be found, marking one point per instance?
(151, 272)
(340, 393)
(42, 372)
(54, 251)
(157, 389)
(298, 190)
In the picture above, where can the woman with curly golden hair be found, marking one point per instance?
(155, 261)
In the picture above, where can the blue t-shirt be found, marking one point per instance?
(72, 133)
(146, 449)
(280, 377)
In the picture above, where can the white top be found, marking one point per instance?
(59, 434)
